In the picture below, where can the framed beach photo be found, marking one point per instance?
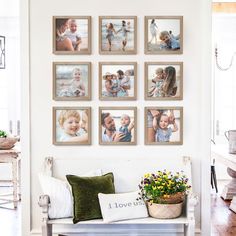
(163, 125)
(2, 52)
(71, 81)
(117, 34)
(72, 35)
(117, 81)
(71, 125)
(163, 35)
(117, 125)
(163, 80)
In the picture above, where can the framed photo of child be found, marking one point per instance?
(72, 35)
(71, 125)
(117, 125)
(163, 35)
(71, 81)
(163, 80)
(117, 81)
(117, 34)
(163, 125)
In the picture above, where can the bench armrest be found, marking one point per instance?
(44, 203)
(192, 201)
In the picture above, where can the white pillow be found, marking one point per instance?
(122, 206)
(61, 201)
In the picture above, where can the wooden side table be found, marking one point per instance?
(12, 156)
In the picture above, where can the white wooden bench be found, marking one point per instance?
(124, 169)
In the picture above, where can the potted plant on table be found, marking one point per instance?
(7, 141)
(164, 193)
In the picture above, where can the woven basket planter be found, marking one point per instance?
(8, 143)
(165, 211)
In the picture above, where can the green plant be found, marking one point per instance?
(3, 134)
(164, 187)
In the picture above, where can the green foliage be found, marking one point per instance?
(3, 134)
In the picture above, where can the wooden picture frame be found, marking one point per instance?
(163, 125)
(163, 81)
(71, 125)
(71, 35)
(2, 52)
(110, 118)
(163, 35)
(72, 81)
(117, 81)
(117, 35)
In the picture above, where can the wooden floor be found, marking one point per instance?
(10, 219)
(223, 220)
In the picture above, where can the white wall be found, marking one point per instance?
(196, 89)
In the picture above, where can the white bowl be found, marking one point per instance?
(8, 142)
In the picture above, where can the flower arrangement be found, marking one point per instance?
(164, 187)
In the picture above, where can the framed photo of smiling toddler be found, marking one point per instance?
(163, 35)
(71, 125)
(163, 125)
(71, 81)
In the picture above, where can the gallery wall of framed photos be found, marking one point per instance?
(117, 80)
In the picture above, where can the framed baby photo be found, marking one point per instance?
(71, 125)
(117, 81)
(2, 52)
(163, 80)
(117, 34)
(72, 35)
(117, 125)
(71, 81)
(163, 35)
(163, 125)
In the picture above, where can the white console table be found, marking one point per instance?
(221, 154)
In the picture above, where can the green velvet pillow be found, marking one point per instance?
(85, 194)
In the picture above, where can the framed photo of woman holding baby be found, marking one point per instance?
(163, 35)
(163, 80)
(117, 125)
(117, 35)
(117, 81)
(71, 125)
(72, 35)
(71, 81)
(163, 125)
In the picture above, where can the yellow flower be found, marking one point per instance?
(154, 187)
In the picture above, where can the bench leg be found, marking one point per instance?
(46, 229)
(189, 229)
